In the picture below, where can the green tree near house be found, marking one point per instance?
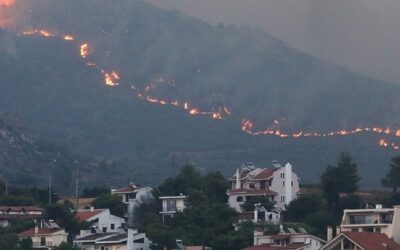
(112, 202)
(392, 179)
(342, 178)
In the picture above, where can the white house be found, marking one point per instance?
(11, 213)
(172, 205)
(44, 237)
(279, 184)
(130, 240)
(293, 240)
(101, 219)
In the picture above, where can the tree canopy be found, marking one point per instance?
(392, 179)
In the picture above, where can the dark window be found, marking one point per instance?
(139, 240)
(251, 185)
(112, 226)
(239, 199)
(126, 198)
(104, 229)
(43, 241)
(262, 184)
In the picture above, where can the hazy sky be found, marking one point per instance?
(363, 35)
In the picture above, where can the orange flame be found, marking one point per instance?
(69, 38)
(84, 50)
(111, 79)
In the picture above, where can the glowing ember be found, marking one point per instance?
(68, 38)
(37, 32)
(111, 79)
(84, 50)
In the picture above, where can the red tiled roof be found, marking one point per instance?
(280, 236)
(41, 231)
(127, 189)
(21, 208)
(264, 174)
(372, 241)
(19, 216)
(85, 215)
(293, 246)
(252, 191)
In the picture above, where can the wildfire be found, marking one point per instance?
(38, 32)
(111, 79)
(247, 126)
(385, 144)
(84, 50)
(69, 38)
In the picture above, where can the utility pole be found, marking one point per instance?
(50, 180)
(172, 172)
(6, 188)
(76, 189)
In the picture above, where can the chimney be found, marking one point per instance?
(288, 183)
(337, 230)
(91, 209)
(36, 229)
(130, 243)
(237, 179)
(329, 233)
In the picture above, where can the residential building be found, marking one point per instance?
(379, 220)
(101, 219)
(172, 205)
(133, 194)
(361, 241)
(123, 240)
(48, 236)
(300, 240)
(279, 184)
(11, 213)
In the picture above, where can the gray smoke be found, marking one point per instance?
(363, 35)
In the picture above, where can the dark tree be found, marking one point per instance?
(342, 178)
(392, 179)
(112, 202)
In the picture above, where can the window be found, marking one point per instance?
(292, 183)
(283, 183)
(104, 229)
(43, 241)
(282, 175)
(112, 226)
(239, 199)
(171, 205)
(282, 198)
(126, 198)
(251, 186)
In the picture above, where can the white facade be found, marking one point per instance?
(379, 220)
(172, 205)
(101, 219)
(45, 237)
(279, 184)
(131, 240)
(285, 241)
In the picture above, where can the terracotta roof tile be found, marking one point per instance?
(252, 191)
(293, 246)
(264, 174)
(372, 241)
(21, 208)
(41, 231)
(86, 215)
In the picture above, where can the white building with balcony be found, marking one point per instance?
(172, 205)
(279, 184)
(378, 220)
(101, 219)
(123, 240)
